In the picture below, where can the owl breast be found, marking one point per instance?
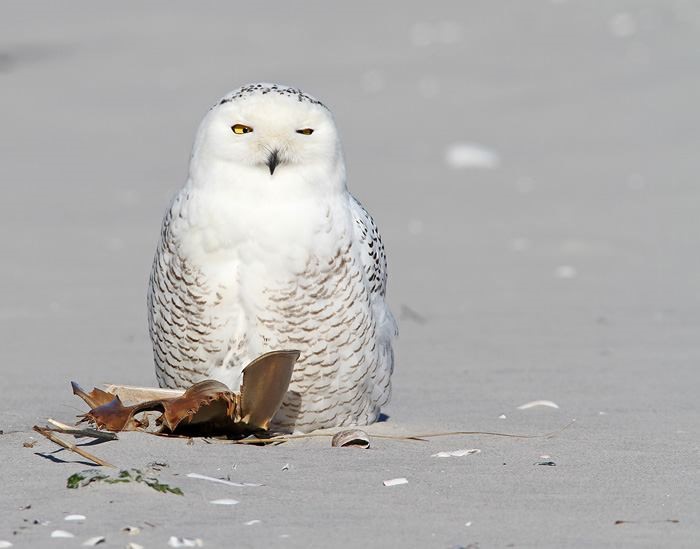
(215, 310)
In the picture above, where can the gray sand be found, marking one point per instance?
(568, 272)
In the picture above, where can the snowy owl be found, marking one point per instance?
(265, 249)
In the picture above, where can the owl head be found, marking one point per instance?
(266, 132)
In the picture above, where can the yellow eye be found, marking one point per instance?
(305, 131)
(240, 129)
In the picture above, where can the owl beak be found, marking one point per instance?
(273, 160)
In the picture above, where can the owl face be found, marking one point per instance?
(267, 130)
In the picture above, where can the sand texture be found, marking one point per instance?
(534, 169)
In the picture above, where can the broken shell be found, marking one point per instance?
(205, 408)
(61, 534)
(185, 542)
(94, 541)
(224, 502)
(457, 453)
(395, 481)
(535, 403)
(131, 530)
(354, 438)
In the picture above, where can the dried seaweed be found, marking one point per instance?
(422, 437)
(87, 477)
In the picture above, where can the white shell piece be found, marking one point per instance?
(457, 453)
(536, 403)
(224, 502)
(352, 438)
(174, 541)
(61, 534)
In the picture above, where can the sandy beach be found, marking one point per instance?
(533, 168)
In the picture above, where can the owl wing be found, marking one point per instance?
(371, 249)
(374, 264)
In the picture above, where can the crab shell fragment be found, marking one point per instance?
(206, 408)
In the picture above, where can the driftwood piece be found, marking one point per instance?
(70, 446)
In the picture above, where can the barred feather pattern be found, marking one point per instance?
(333, 311)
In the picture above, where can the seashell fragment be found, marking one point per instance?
(224, 502)
(185, 542)
(457, 453)
(91, 542)
(395, 481)
(5, 544)
(534, 403)
(74, 517)
(354, 438)
(61, 534)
